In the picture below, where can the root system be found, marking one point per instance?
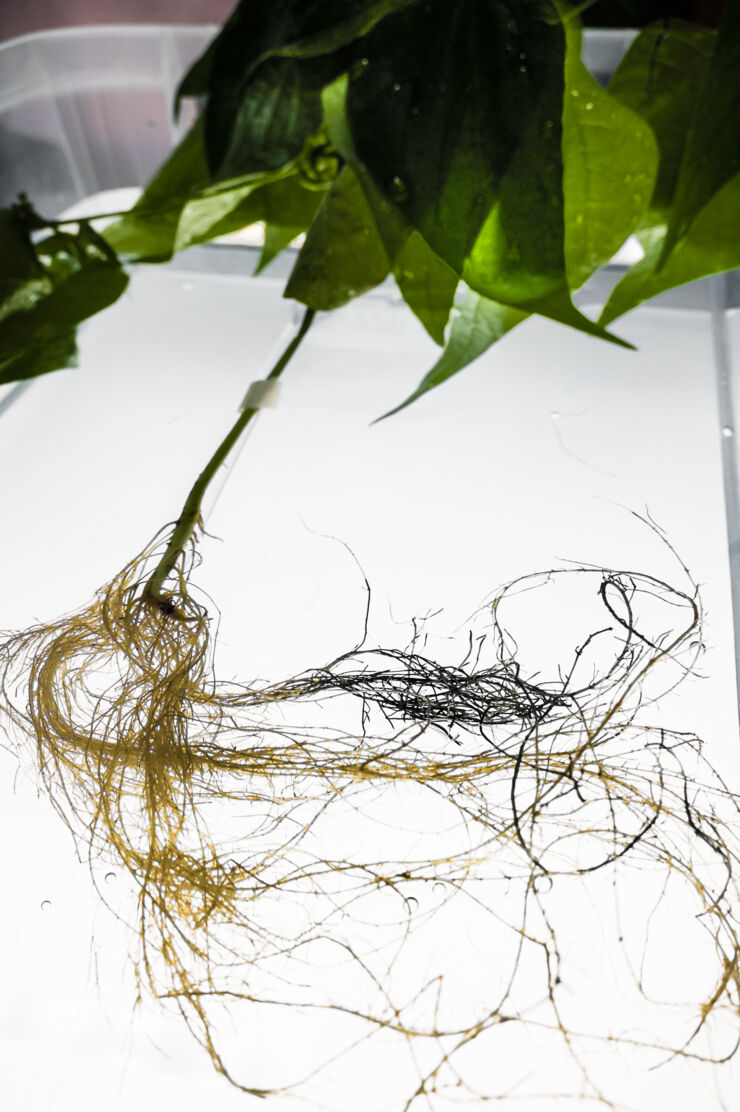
(228, 818)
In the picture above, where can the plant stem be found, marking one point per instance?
(190, 516)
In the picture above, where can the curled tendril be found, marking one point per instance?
(147, 757)
(319, 164)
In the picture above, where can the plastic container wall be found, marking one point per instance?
(88, 109)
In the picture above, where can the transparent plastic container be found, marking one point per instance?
(88, 109)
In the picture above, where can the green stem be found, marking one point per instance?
(188, 520)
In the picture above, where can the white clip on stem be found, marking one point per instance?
(262, 394)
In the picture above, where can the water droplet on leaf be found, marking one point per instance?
(588, 105)
(728, 431)
(399, 189)
(397, 87)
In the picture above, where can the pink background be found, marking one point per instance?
(21, 17)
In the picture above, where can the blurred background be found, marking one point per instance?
(42, 15)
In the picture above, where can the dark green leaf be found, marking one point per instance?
(56, 354)
(261, 29)
(343, 255)
(474, 328)
(92, 288)
(265, 123)
(438, 106)
(695, 229)
(711, 157)
(22, 279)
(263, 74)
(80, 276)
(458, 119)
(426, 283)
(658, 78)
(19, 262)
(332, 24)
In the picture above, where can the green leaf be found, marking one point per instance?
(180, 207)
(288, 210)
(457, 118)
(277, 238)
(711, 157)
(475, 326)
(695, 230)
(210, 216)
(711, 245)
(176, 210)
(343, 255)
(426, 283)
(80, 275)
(149, 231)
(610, 160)
(658, 78)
